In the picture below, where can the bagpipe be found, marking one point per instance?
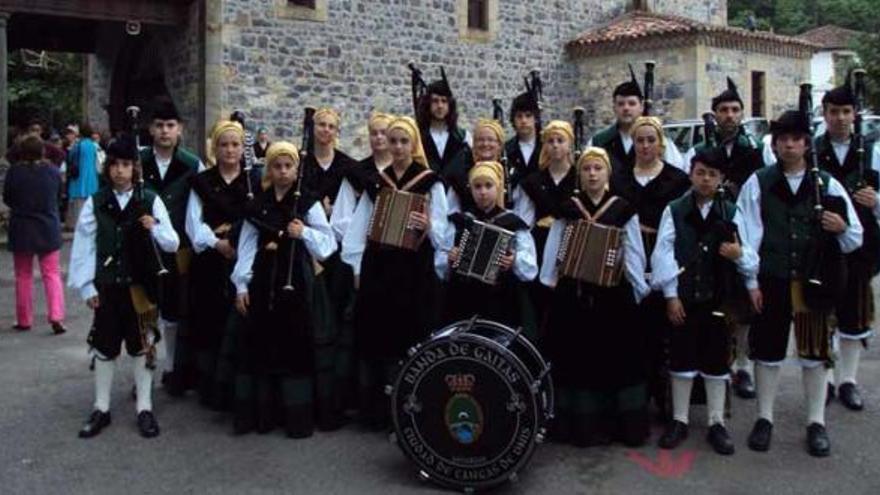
(498, 116)
(826, 270)
(148, 268)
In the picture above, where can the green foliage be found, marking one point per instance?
(868, 48)
(53, 94)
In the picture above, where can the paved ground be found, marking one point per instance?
(46, 392)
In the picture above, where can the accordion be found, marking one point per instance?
(480, 247)
(591, 252)
(389, 223)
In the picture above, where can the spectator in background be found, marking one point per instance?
(82, 174)
(31, 192)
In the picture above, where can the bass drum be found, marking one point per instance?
(471, 403)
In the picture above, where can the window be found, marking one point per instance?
(477, 20)
(305, 10)
(478, 15)
(759, 92)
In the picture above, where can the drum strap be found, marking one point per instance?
(599, 212)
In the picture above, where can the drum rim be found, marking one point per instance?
(539, 415)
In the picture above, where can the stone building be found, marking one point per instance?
(271, 58)
(835, 56)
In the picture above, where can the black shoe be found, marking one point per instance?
(830, 393)
(675, 433)
(720, 440)
(21, 328)
(762, 433)
(818, 443)
(850, 396)
(743, 386)
(98, 420)
(147, 424)
(58, 328)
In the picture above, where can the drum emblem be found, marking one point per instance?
(464, 416)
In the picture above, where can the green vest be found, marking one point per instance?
(696, 248)
(116, 230)
(605, 136)
(174, 193)
(789, 227)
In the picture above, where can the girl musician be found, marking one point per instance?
(488, 146)
(397, 287)
(649, 186)
(110, 250)
(324, 170)
(215, 209)
(601, 396)
(547, 188)
(282, 236)
(695, 244)
(357, 178)
(468, 296)
(364, 174)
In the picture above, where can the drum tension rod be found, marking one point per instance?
(513, 337)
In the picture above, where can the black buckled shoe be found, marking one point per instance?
(743, 386)
(676, 433)
(850, 397)
(147, 424)
(818, 443)
(97, 421)
(720, 440)
(762, 433)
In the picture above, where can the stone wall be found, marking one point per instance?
(355, 61)
(709, 11)
(675, 85)
(687, 78)
(783, 77)
(181, 60)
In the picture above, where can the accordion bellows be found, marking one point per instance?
(591, 252)
(389, 224)
(481, 246)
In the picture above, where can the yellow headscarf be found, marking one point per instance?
(408, 125)
(329, 112)
(379, 118)
(496, 129)
(594, 152)
(220, 128)
(281, 148)
(492, 171)
(557, 127)
(277, 149)
(653, 122)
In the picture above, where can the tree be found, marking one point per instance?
(48, 86)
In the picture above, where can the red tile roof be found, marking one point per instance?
(830, 36)
(626, 32)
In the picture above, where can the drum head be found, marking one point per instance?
(465, 411)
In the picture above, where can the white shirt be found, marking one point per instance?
(752, 228)
(163, 163)
(83, 252)
(440, 137)
(317, 237)
(527, 148)
(665, 268)
(354, 242)
(525, 262)
(634, 259)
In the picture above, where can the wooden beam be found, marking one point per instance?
(165, 12)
